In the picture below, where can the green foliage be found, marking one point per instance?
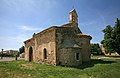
(111, 40)
(116, 36)
(107, 32)
(22, 49)
(95, 49)
(93, 69)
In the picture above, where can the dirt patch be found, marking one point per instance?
(27, 66)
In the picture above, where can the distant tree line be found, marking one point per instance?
(9, 53)
(95, 49)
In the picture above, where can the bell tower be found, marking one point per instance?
(73, 20)
(73, 17)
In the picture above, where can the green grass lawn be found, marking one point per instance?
(106, 68)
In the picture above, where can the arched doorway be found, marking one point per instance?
(30, 54)
(45, 53)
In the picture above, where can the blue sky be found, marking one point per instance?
(19, 19)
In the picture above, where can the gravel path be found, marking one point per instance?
(9, 59)
(116, 58)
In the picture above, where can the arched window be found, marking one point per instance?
(45, 53)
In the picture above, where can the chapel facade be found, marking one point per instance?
(59, 45)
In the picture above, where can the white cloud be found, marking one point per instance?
(19, 38)
(28, 28)
(88, 23)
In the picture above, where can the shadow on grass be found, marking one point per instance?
(92, 63)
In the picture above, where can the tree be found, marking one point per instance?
(95, 49)
(108, 40)
(116, 36)
(111, 40)
(22, 49)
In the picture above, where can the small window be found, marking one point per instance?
(75, 31)
(45, 53)
(77, 56)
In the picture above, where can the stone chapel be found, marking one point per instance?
(59, 45)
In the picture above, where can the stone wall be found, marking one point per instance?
(42, 40)
(66, 37)
(61, 34)
(29, 43)
(68, 56)
(67, 46)
(85, 44)
(46, 40)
